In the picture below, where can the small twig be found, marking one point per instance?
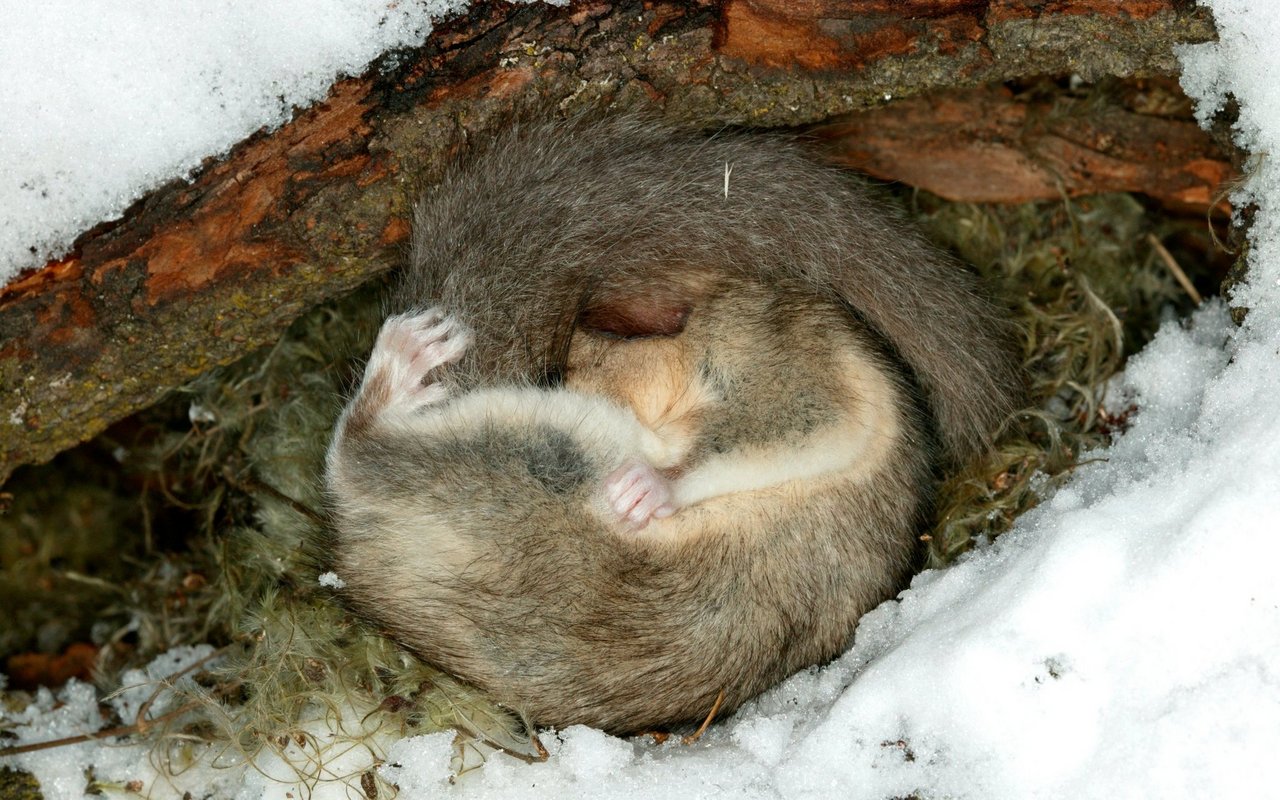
(706, 723)
(89, 580)
(1086, 462)
(119, 730)
(251, 484)
(140, 724)
(1172, 264)
(140, 720)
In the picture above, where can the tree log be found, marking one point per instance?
(985, 145)
(198, 273)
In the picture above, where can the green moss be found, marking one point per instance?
(16, 785)
(1087, 290)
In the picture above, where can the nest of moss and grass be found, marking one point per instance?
(189, 523)
(1088, 282)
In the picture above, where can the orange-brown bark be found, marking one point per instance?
(985, 145)
(845, 34)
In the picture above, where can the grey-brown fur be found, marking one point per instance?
(552, 209)
(477, 537)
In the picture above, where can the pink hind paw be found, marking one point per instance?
(637, 494)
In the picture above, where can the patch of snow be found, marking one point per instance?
(72, 712)
(153, 685)
(329, 749)
(329, 753)
(413, 764)
(104, 101)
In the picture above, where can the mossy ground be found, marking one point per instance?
(1088, 289)
(190, 522)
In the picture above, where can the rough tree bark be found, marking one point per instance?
(196, 274)
(985, 145)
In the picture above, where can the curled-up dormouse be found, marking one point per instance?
(658, 416)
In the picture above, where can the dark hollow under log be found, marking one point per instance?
(198, 273)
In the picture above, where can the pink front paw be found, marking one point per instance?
(409, 347)
(637, 494)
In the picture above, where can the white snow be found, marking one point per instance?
(102, 101)
(330, 751)
(73, 712)
(331, 580)
(1123, 641)
(149, 688)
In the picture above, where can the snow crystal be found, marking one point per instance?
(413, 764)
(331, 580)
